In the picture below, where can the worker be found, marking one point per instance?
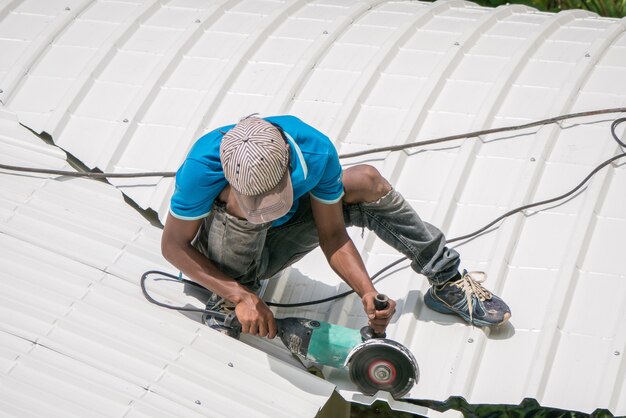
(253, 198)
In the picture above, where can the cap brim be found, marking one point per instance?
(268, 206)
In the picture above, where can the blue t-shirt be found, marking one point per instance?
(314, 168)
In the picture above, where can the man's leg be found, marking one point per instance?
(371, 202)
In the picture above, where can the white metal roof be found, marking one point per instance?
(78, 339)
(128, 85)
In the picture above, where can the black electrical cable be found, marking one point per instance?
(142, 283)
(150, 299)
(88, 174)
(173, 277)
(98, 175)
(543, 202)
(337, 296)
(389, 266)
(613, 127)
(485, 132)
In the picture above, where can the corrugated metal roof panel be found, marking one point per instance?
(152, 76)
(76, 336)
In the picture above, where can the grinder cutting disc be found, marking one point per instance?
(381, 364)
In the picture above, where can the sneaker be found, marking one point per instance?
(467, 298)
(219, 304)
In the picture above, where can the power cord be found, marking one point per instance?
(100, 175)
(172, 277)
(389, 266)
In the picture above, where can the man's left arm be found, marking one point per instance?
(346, 261)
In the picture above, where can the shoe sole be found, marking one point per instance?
(436, 306)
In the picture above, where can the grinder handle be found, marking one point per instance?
(380, 302)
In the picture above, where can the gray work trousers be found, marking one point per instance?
(251, 252)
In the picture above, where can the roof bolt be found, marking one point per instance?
(616, 353)
(1, 91)
(456, 44)
(533, 159)
(325, 32)
(125, 121)
(68, 8)
(197, 20)
(470, 340)
(230, 364)
(198, 402)
(587, 55)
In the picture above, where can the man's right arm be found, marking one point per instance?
(254, 315)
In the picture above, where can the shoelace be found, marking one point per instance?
(472, 286)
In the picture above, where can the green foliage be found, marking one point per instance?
(377, 410)
(528, 408)
(606, 8)
(612, 8)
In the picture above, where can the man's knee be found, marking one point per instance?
(364, 183)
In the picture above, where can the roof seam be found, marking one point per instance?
(19, 69)
(76, 93)
(141, 102)
(372, 72)
(293, 82)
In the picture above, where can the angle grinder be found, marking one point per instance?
(374, 362)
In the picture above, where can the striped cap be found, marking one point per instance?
(255, 159)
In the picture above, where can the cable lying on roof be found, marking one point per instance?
(97, 175)
(88, 174)
(488, 131)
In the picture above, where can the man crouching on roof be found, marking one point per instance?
(253, 198)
